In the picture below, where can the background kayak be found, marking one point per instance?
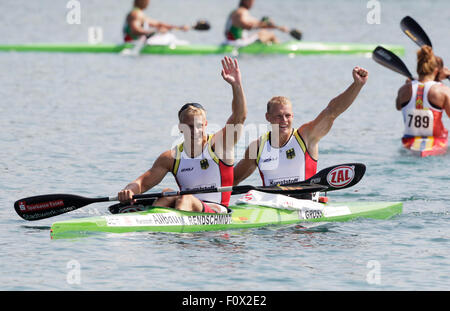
(290, 47)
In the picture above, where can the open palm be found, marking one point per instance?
(230, 71)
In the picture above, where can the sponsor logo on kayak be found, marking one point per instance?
(40, 206)
(168, 219)
(341, 176)
(311, 214)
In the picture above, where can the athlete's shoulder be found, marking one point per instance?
(437, 94)
(136, 14)
(166, 158)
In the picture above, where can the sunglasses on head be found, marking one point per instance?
(186, 106)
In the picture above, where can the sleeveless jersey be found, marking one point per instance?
(420, 117)
(233, 32)
(287, 164)
(205, 171)
(126, 30)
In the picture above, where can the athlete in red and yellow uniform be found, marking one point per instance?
(422, 103)
(287, 155)
(202, 161)
(205, 171)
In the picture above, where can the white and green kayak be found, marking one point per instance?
(290, 47)
(158, 219)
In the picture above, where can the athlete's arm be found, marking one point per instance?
(149, 179)
(226, 138)
(247, 165)
(161, 25)
(135, 21)
(439, 95)
(243, 19)
(403, 96)
(313, 131)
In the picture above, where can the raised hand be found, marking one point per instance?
(360, 75)
(230, 71)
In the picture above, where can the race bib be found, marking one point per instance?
(418, 122)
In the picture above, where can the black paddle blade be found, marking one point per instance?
(202, 25)
(388, 59)
(413, 30)
(296, 34)
(339, 176)
(45, 206)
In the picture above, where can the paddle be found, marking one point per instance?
(200, 25)
(49, 205)
(388, 59)
(415, 32)
(295, 33)
(329, 179)
(45, 206)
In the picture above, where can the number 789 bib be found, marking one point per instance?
(418, 122)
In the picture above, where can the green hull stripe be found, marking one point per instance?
(291, 47)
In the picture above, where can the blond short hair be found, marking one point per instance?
(278, 100)
(191, 110)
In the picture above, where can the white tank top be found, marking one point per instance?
(205, 171)
(287, 164)
(418, 115)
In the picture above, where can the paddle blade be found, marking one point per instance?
(339, 176)
(413, 30)
(388, 59)
(296, 34)
(45, 206)
(202, 25)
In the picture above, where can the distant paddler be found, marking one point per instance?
(203, 161)
(240, 22)
(422, 103)
(137, 24)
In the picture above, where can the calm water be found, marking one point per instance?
(89, 124)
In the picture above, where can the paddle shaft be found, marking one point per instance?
(45, 206)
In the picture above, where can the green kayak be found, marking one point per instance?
(158, 219)
(290, 47)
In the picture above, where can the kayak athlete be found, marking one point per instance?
(285, 155)
(202, 161)
(240, 22)
(137, 23)
(422, 103)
